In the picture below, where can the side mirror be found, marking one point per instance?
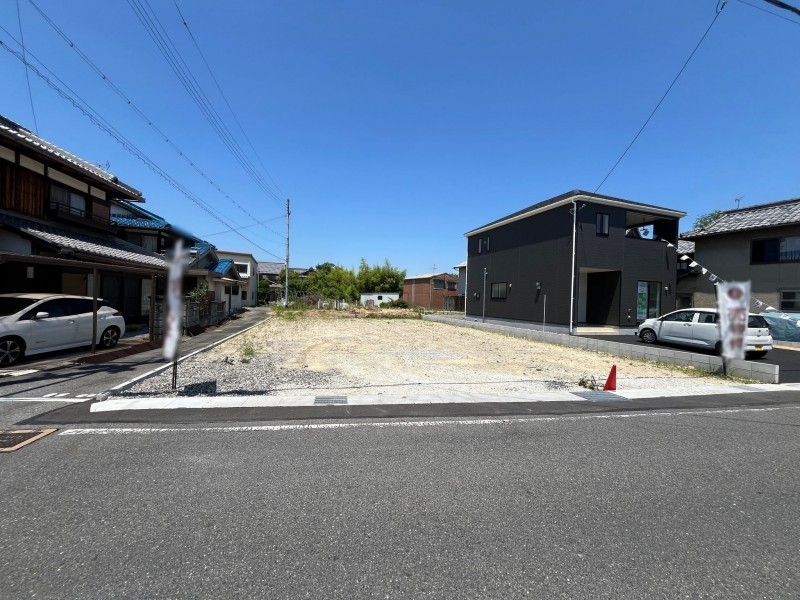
(41, 315)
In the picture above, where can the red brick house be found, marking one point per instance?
(430, 290)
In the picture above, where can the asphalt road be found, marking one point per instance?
(787, 360)
(659, 505)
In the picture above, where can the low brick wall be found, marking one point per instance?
(746, 369)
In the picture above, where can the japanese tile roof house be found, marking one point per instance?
(522, 267)
(153, 232)
(56, 234)
(759, 243)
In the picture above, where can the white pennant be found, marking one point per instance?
(692, 264)
(704, 270)
(684, 257)
(670, 245)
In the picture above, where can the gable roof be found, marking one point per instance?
(685, 246)
(774, 214)
(577, 194)
(13, 131)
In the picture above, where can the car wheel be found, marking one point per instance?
(760, 354)
(11, 350)
(648, 336)
(110, 337)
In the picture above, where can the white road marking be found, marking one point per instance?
(390, 424)
(18, 373)
(62, 394)
(45, 399)
(50, 395)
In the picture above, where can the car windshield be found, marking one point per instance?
(10, 306)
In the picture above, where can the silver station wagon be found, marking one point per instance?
(699, 327)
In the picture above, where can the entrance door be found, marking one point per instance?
(602, 297)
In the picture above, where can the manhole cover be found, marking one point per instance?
(17, 438)
(330, 400)
(600, 396)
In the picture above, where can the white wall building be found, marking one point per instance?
(247, 266)
(378, 298)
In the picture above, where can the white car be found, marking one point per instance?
(698, 327)
(36, 323)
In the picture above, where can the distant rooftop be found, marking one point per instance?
(774, 214)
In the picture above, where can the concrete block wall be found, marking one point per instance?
(756, 371)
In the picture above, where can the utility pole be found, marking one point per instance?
(286, 291)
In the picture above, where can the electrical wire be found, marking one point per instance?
(141, 113)
(224, 97)
(245, 227)
(27, 75)
(161, 39)
(769, 12)
(720, 6)
(103, 125)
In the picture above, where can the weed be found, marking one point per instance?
(588, 382)
(247, 352)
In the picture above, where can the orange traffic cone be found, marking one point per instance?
(611, 382)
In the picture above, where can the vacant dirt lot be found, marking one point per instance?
(327, 353)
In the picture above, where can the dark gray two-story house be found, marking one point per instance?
(579, 259)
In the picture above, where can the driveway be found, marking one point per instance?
(787, 359)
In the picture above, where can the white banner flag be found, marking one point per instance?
(172, 327)
(733, 300)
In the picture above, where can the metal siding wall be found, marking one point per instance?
(538, 248)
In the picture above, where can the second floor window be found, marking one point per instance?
(785, 249)
(602, 223)
(74, 201)
(438, 284)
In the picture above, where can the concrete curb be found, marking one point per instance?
(762, 372)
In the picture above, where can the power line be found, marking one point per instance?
(161, 39)
(224, 97)
(139, 112)
(769, 12)
(102, 124)
(245, 227)
(720, 6)
(27, 75)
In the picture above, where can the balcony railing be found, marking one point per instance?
(57, 210)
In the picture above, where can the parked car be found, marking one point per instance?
(699, 327)
(36, 323)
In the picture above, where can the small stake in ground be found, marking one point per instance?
(611, 382)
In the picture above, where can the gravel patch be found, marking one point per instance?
(317, 355)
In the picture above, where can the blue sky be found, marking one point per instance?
(397, 126)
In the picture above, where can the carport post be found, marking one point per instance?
(94, 310)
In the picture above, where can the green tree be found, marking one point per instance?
(333, 282)
(297, 285)
(707, 219)
(379, 278)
